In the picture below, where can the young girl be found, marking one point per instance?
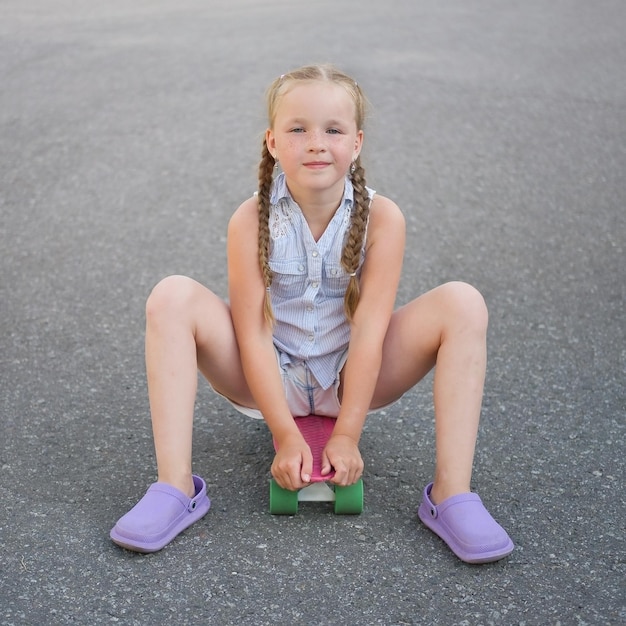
(314, 261)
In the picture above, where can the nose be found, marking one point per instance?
(316, 141)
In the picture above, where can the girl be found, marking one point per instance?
(314, 261)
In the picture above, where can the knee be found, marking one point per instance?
(467, 305)
(171, 295)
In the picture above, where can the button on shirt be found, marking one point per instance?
(309, 284)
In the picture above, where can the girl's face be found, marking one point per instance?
(314, 136)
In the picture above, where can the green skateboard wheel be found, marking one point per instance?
(282, 501)
(349, 500)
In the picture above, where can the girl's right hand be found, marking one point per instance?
(293, 463)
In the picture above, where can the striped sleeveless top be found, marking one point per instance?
(309, 284)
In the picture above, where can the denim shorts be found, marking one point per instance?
(304, 394)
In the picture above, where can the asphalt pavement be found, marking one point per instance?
(129, 133)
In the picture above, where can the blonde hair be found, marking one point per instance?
(351, 253)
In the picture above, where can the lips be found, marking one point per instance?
(316, 164)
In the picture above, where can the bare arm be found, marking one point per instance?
(379, 282)
(293, 463)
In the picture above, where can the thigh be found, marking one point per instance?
(219, 360)
(412, 342)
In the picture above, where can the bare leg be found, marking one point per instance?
(445, 328)
(187, 327)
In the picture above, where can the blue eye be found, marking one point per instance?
(333, 131)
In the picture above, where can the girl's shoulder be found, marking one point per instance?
(378, 200)
(384, 214)
(246, 214)
(386, 229)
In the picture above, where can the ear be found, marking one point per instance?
(358, 144)
(270, 140)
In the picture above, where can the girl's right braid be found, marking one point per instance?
(266, 171)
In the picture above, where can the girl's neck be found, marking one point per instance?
(318, 207)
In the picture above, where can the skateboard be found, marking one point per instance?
(316, 431)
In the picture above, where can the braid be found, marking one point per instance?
(351, 254)
(266, 169)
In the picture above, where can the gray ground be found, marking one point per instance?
(129, 132)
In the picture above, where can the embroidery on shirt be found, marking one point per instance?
(347, 215)
(280, 219)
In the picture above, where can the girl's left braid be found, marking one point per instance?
(351, 254)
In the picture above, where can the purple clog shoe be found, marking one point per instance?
(159, 516)
(466, 526)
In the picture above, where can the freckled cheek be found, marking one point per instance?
(289, 149)
(293, 145)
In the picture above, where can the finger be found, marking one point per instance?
(341, 474)
(280, 480)
(356, 473)
(284, 474)
(297, 475)
(326, 464)
(354, 477)
(307, 467)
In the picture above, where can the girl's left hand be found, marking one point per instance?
(342, 454)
